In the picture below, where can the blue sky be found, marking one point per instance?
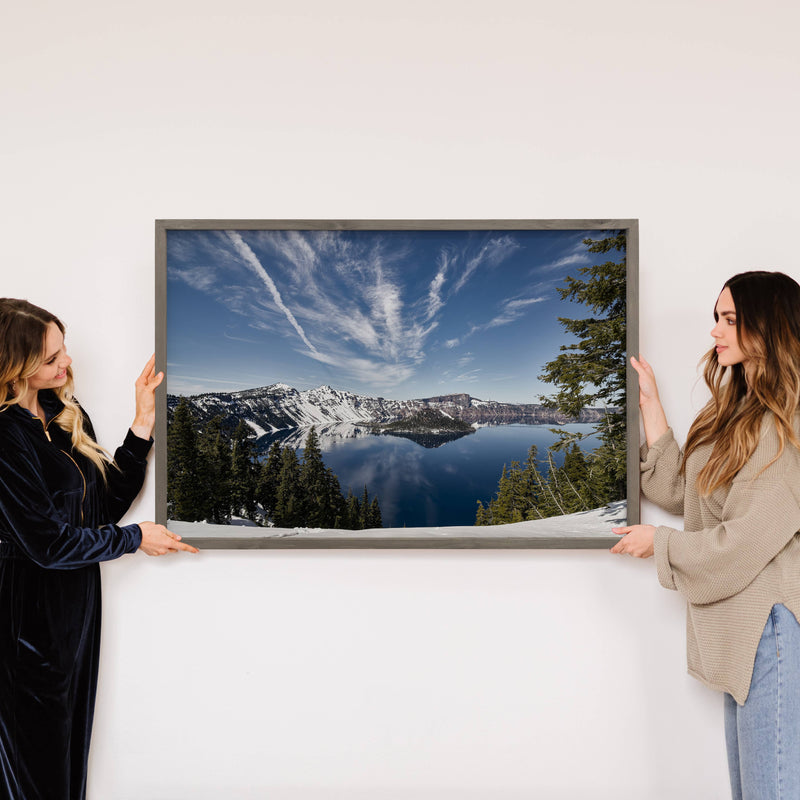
(397, 314)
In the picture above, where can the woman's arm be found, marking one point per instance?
(662, 480)
(125, 480)
(760, 517)
(30, 521)
(146, 384)
(653, 416)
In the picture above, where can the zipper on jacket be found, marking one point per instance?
(44, 428)
(46, 425)
(80, 471)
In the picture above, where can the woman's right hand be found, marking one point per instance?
(158, 541)
(648, 389)
(653, 417)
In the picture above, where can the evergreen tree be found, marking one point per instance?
(576, 489)
(184, 487)
(594, 369)
(374, 519)
(338, 508)
(524, 493)
(364, 510)
(268, 479)
(243, 475)
(539, 490)
(502, 505)
(215, 458)
(289, 499)
(515, 498)
(352, 512)
(318, 506)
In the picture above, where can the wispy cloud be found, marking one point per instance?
(435, 301)
(450, 378)
(252, 260)
(512, 311)
(491, 253)
(579, 256)
(200, 278)
(239, 338)
(344, 302)
(370, 371)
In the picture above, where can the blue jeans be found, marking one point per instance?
(763, 735)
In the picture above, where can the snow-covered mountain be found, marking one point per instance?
(281, 407)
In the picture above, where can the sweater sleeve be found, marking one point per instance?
(760, 516)
(31, 522)
(662, 481)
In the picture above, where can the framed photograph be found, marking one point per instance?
(398, 383)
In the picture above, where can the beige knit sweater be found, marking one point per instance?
(738, 556)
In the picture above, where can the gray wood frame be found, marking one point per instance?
(466, 537)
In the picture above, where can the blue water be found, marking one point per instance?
(418, 486)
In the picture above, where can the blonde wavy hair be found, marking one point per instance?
(23, 328)
(768, 330)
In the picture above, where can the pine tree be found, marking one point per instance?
(375, 519)
(243, 473)
(318, 504)
(268, 478)
(524, 493)
(364, 510)
(289, 500)
(594, 369)
(574, 480)
(352, 512)
(513, 500)
(184, 487)
(338, 506)
(215, 459)
(538, 488)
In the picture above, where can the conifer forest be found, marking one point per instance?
(215, 475)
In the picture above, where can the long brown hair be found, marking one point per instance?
(23, 329)
(768, 331)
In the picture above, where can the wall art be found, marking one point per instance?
(397, 383)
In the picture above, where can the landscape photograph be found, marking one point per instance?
(386, 384)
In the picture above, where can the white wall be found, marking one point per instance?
(394, 675)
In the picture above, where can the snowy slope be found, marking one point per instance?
(281, 407)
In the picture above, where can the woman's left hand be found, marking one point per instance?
(637, 540)
(146, 385)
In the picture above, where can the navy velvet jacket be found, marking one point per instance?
(55, 508)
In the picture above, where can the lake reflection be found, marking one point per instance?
(419, 486)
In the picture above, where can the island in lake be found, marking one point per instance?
(429, 427)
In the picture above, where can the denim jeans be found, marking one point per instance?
(763, 735)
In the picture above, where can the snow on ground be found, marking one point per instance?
(257, 428)
(594, 524)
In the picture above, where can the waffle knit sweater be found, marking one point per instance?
(738, 556)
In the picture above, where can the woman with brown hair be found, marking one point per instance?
(61, 497)
(737, 483)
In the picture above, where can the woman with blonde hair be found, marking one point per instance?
(737, 483)
(61, 497)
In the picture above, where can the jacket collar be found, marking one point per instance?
(49, 402)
